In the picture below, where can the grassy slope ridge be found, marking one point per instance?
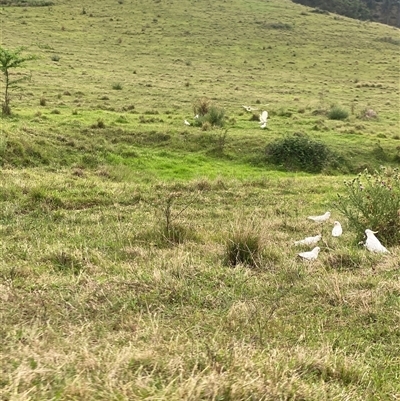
(167, 55)
(95, 302)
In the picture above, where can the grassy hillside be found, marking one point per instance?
(164, 56)
(118, 223)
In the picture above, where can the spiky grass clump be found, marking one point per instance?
(173, 228)
(117, 86)
(243, 246)
(209, 115)
(215, 117)
(177, 233)
(201, 106)
(337, 113)
(65, 261)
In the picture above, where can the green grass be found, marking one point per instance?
(296, 72)
(92, 291)
(115, 217)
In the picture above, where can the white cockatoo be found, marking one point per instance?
(309, 240)
(372, 243)
(263, 119)
(337, 229)
(320, 219)
(311, 255)
(249, 108)
(186, 122)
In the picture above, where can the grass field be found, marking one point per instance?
(116, 219)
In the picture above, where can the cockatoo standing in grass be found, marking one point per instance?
(373, 244)
(337, 229)
(263, 119)
(186, 122)
(320, 219)
(311, 255)
(309, 240)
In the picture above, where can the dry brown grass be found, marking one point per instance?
(140, 320)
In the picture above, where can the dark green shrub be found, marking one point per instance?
(298, 152)
(214, 117)
(373, 201)
(337, 113)
(207, 114)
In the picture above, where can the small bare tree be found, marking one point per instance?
(10, 59)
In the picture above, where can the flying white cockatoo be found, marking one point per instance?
(249, 108)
